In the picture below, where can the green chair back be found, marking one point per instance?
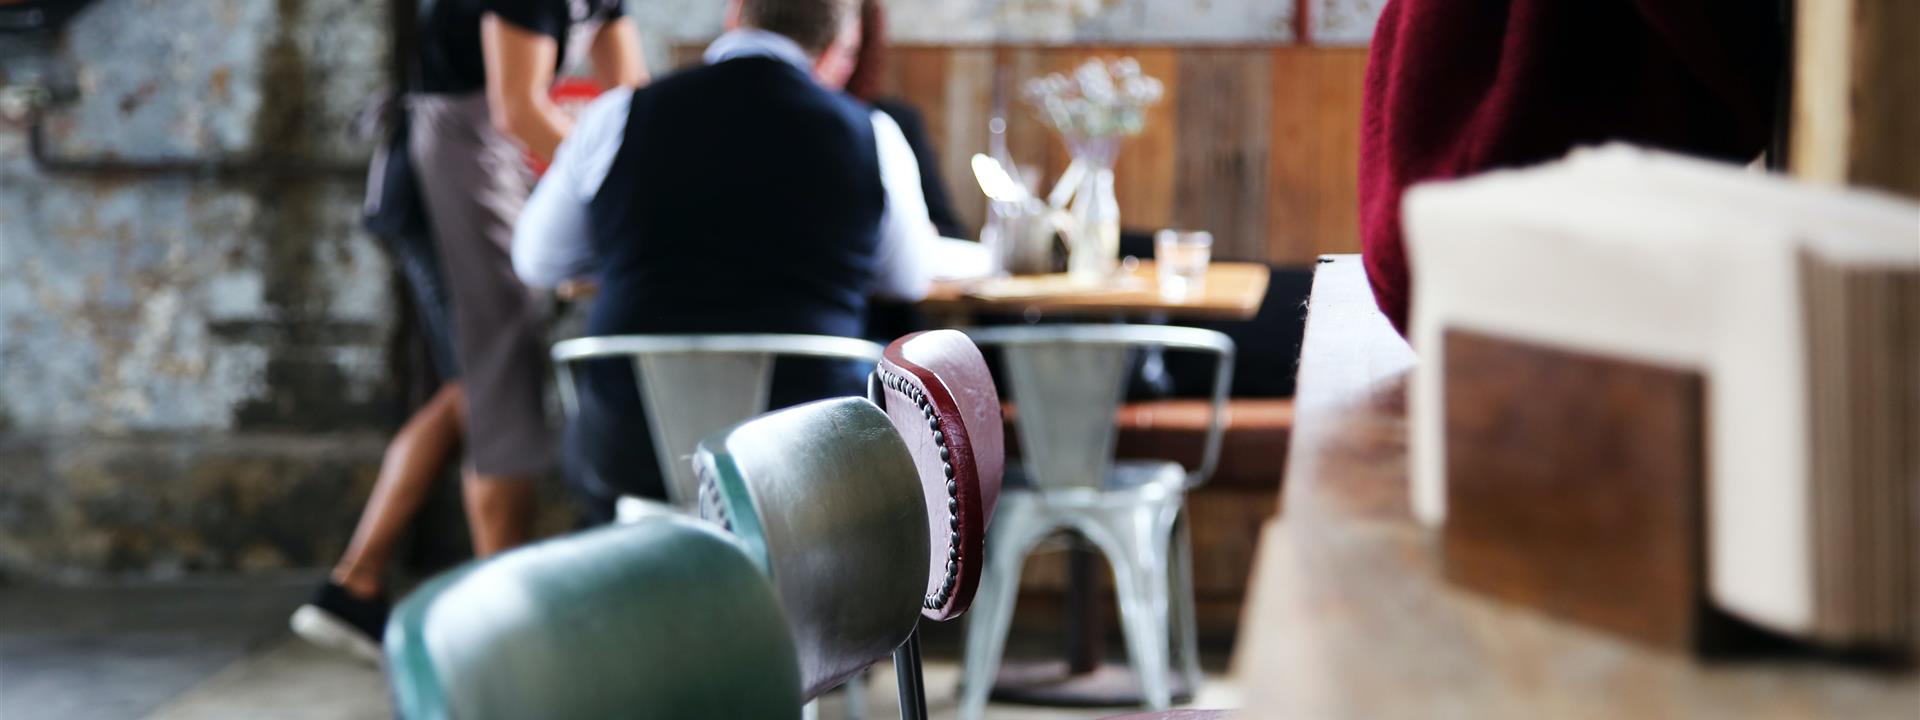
(665, 617)
(825, 496)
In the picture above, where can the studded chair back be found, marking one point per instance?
(694, 385)
(936, 389)
(665, 617)
(825, 497)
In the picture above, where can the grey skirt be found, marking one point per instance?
(474, 181)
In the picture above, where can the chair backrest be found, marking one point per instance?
(1067, 382)
(825, 496)
(936, 389)
(665, 617)
(695, 385)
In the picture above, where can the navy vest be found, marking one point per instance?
(744, 198)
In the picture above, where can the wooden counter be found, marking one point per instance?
(1349, 617)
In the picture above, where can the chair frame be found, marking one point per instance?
(682, 488)
(1159, 539)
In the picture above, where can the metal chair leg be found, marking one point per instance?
(1186, 626)
(913, 686)
(1136, 541)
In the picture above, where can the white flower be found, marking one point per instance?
(1100, 99)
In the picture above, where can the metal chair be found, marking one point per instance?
(1067, 382)
(665, 617)
(695, 385)
(936, 389)
(825, 498)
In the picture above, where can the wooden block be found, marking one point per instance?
(1574, 485)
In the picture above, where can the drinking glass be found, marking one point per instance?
(1181, 258)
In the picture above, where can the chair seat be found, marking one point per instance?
(1129, 481)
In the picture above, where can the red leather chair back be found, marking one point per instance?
(936, 388)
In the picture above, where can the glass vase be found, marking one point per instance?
(1093, 251)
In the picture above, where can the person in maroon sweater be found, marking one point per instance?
(1456, 87)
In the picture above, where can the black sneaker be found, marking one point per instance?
(336, 619)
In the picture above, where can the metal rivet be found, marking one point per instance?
(943, 455)
(954, 523)
(948, 469)
(939, 438)
(953, 486)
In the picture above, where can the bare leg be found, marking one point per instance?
(412, 461)
(499, 511)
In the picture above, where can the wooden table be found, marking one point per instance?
(1233, 291)
(1348, 616)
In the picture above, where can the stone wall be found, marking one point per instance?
(193, 329)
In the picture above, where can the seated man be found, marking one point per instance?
(738, 197)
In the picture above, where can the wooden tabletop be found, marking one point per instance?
(1348, 616)
(1233, 291)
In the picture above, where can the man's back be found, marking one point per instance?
(744, 198)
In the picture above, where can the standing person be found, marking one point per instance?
(479, 107)
(738, 197)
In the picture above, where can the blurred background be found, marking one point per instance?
(202, 354)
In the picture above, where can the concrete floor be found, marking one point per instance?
(220, 649)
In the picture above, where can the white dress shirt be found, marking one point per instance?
(552, 239)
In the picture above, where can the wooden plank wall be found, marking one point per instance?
(1257, 144)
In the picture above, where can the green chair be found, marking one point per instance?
(665, 617)
(826, 498)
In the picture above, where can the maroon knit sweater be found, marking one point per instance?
(1455, 87)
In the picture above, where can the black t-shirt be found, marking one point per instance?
(450, 60)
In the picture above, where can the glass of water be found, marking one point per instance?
(1181, 257)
